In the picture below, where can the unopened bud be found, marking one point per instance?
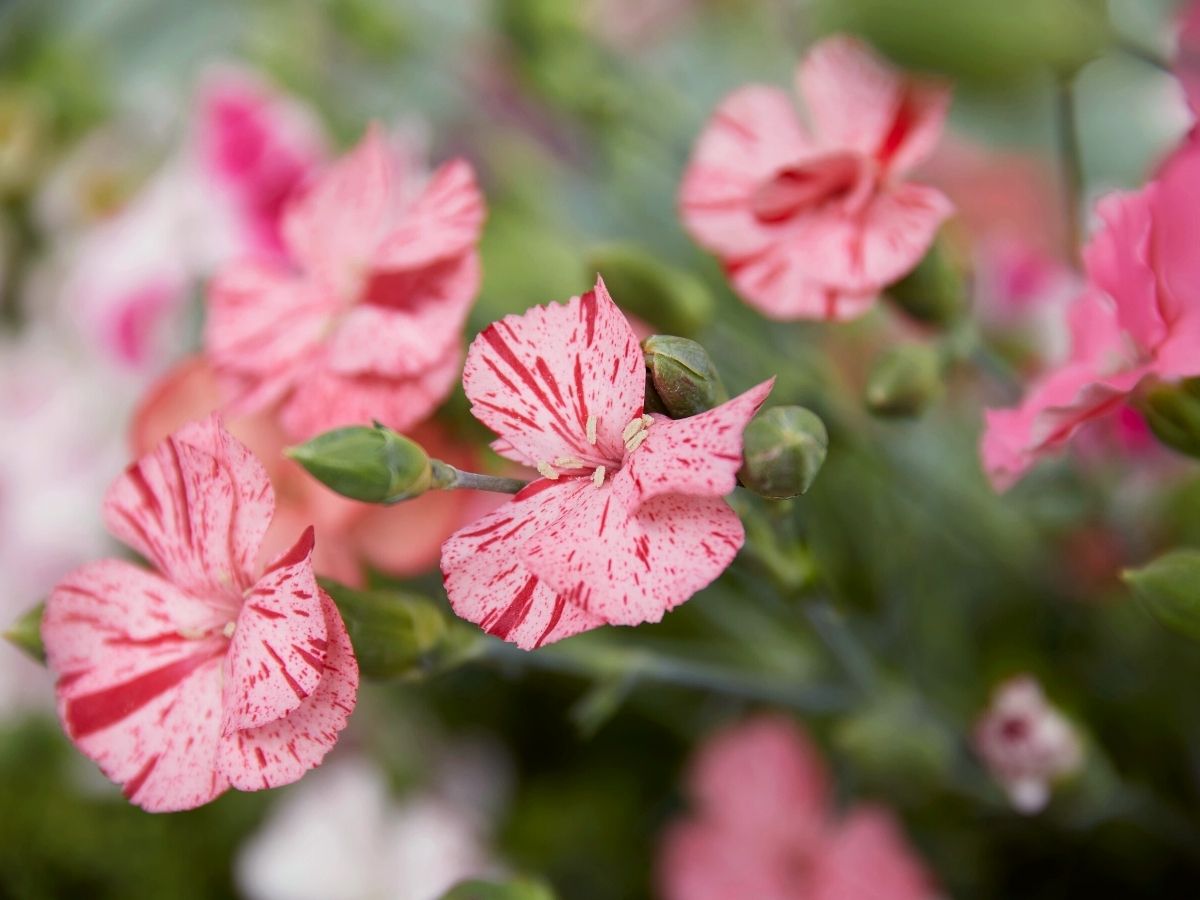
(904, 381)
(373, 464)
(683, 375)
(935, 291)
(1026, 743)
(783, 450)
(394, 634)
(668, 298)
(1169, 588)
(513, 889)
(1173, 413)
(26, 633)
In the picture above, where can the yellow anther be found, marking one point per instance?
(547, 471)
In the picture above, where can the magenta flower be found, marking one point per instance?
(368, 323)
(1139, 318)
(627, 520)
(812, 225)
(762, 826)
(201, 675)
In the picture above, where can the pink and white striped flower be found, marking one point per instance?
(367, 323)
(811, 225)
(203, 674)
(627, 520)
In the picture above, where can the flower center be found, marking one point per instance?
(633, 435)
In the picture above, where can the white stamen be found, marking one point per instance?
(598, 476)
(591, 430)
(631, 429)
(191, 634)
(229, 629)
(569, 462)
(546, 471)
(647, 420)
(636, 441)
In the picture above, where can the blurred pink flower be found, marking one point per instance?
(762, 825)
(1140, 317)
(1026, 743)
(400, 540)
(1187, 57)
(200, 675)
(813, 226)
(369, 325)
(627, 520)
(217, 199)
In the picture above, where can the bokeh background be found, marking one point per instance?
(579, 118)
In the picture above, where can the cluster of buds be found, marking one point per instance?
(1026, 743)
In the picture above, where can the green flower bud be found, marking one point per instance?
(1173, 413)
(666, 297)
(1169, 588)
(683, 375)
(784, 449)
(372, 464)
(26, 633)
(514, 889)
(394, 634)
(935, 291)
(904, 381)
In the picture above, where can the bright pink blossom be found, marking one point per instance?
(368, 323)
(762, 825)
(813, 224)
(203, 673)
(400, 540)
(1139, 318)
(627, 521)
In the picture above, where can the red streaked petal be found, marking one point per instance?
(487, 583)
(536, 379)
(277, 654)
(444, 222)
(282, 751)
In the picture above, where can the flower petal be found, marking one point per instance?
(699, 455)
(328, 399)
(282, 751)
(263, 327)
(445, 221)
(778, 284)
(138, 665)
(334, 228)
(630, 565)
(753, 134)
(197, 506)
(536, 379)
(860, 102)
(277, 655)
(487, 583)
(409, 321)
(867, 851)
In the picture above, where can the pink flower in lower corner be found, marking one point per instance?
(1138, 319)
(203, 673)
(627, 520)
(811, 225)
(367, 323)
(762, 825)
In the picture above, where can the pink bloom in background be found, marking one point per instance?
(627, 520)
(216, 200)
(368, 323)
(199, 675)
(400, 540)
(762, 825)
(1026, 743)
(1139, 318)
(1187, 57)
(813, 224)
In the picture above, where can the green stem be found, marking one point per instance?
(448, 478)
(596, 662)
(1070, 165)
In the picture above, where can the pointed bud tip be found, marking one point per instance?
(26, 633)
(904, 381)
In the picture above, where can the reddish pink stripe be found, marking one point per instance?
(516, 611)
(94, 712)
(297, 554)
(902, 126)
(134, 784)
(287, 676)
